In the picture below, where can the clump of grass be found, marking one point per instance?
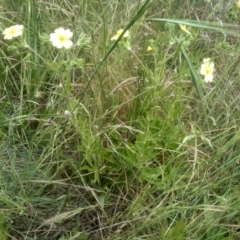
(119, 138)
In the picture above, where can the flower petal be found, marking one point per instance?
(114, 38)
(208, 78)
(67, 44)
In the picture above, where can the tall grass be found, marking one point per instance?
(107, 140)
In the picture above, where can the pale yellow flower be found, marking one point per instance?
(150, 49)
(119, 33)
(67, 113)
(38, 94)
(184, 28)
(207, 69)
(13, 31)
(238, 4)
(61, 38)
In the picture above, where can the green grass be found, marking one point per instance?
(148, 149)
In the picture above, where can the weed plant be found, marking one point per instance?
(124, 133)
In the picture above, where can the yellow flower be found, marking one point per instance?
(150, 49)
(207, 69)
(184, 28)
(238, 4)
(119, 33)
(61, 38)
(13, 31)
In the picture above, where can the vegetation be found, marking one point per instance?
(124, 124)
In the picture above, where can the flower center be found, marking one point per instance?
(119, 33)
(12, 31)
(61, 38)
(208, 70)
